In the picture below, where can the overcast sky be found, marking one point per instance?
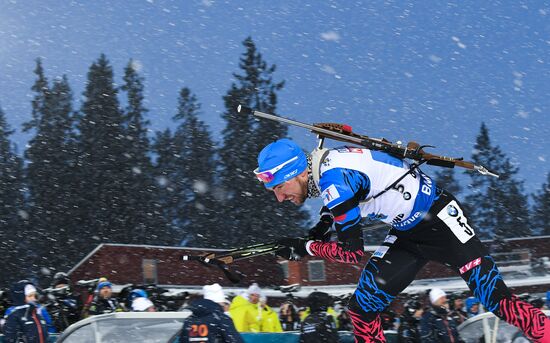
(429, 71)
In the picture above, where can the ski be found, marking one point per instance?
(344, 133)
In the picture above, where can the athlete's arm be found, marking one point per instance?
(342, 189)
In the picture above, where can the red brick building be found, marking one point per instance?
(124, 264)
(138, 264)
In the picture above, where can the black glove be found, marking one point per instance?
(321, 231)
(293, 248)
(351, 239)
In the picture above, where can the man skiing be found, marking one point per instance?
(428, 223)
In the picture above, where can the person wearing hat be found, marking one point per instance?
(318, 326)
(208, 323)
(456, 301)
(69, 301)
(23, 321)
(427, 224)
(103, 301)
(436, 325)
(245, 311)
(143, 304)
(409, 330)
(472, 307)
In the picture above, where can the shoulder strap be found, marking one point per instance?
(317, 158)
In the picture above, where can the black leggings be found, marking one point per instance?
(445, 236)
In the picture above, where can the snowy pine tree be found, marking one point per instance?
(167, 174)
(445, 178)
(50, 174)
(496, 206)
(541, 209)
(13, 248)
(103, 168)
(249, 209)
(196, 156)
(146, 220)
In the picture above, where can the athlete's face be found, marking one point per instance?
(293, 190)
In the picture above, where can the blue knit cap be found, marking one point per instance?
(277, 153)
(138, 293)
(104, 284)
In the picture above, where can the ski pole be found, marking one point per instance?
(230, 256)
(227, 257)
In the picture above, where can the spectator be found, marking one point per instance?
(303, 313)
(32, 297)
(388, 319)
(472, 307)
(5, 303)
(409, 330)
(66, 308)
(288, 315)
(137, 293)
(208, 323)
(436, 325)
(330, 310)
(457, 309)
(318, 326)
(225, 305)
(103, 301)
(143, 304)
(245, 311)
(23, 322)
(344, 321)
(140, 302)
(269, 320)
(537, 302)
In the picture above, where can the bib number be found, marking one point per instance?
(198, 330)
(454, 218)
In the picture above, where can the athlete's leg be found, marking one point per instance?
(390, 270)
(485, 281)
(465, 253)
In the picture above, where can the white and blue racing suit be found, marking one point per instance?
(427, 223)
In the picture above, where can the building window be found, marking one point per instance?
(316, 270)
(149, 271)
(284, 267)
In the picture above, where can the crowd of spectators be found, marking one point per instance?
(430, 317)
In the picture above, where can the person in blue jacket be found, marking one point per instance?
(436, 324)
(427, 223)
(208, 323)
(23, 321)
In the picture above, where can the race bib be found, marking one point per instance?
(453, 217)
